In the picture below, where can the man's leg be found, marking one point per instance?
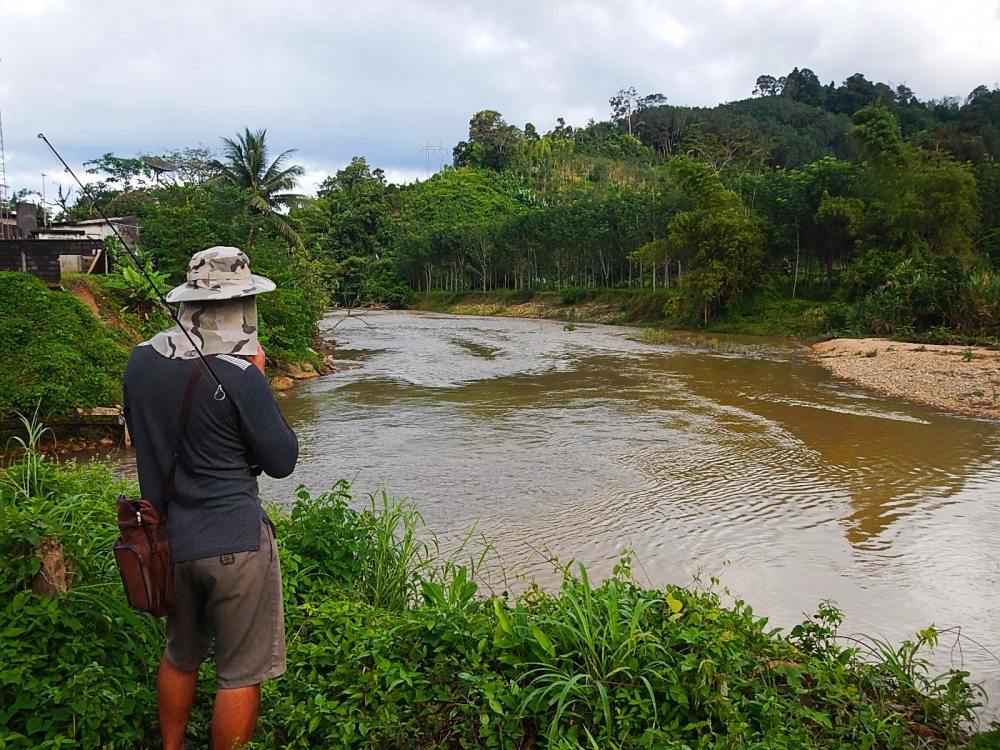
(234, 716)
(248, 620)
(174, 698)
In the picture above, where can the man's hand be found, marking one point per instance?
(258, 360)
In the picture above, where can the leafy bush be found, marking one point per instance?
(768, 314)
(374, 556)
(78, 670)
(388, 647)
(54, 355)
(984, 290)
(287, 323)
(918, 294)
(382, 284)
(577, 295)
(143, 287)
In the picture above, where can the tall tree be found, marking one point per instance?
(719, 240)
(491, 143)
(624, 105)
(803, 86)
(246, 166)
(348, 227)
(767, 86)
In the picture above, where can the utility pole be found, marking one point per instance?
(428, 150)
(7, 232)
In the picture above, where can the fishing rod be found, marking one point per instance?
(220, 393)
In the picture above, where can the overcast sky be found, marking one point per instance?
(384, 78)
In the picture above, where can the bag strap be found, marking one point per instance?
(168, 483)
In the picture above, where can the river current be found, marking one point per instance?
(749, 464)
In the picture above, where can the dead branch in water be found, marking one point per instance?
(350, 313)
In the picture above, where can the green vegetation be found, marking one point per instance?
(769, 315)
(810, 210)
(858, 195)
(42, 359)
(264, 185)
(56, 355)
(390, 646)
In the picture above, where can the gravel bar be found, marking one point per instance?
(960, 379)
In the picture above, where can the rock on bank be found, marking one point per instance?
(955, 378)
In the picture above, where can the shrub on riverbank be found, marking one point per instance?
(621, 306)
(53, 353)
(389, 647)
(762, 314)
(771, 315)
(66, 350)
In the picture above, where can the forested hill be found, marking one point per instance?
(788, 122)
(861, 194)
(795, 120)
(882, 207)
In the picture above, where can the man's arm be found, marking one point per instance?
(126, 410)
(126, 405)
(272, 442)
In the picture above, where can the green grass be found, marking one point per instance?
(761, 315)
(581, 304)
(766, 315)
(54, 355)
(391, 646)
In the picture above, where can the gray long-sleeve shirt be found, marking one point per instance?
(215, 509)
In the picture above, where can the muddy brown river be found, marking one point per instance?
(753, 466)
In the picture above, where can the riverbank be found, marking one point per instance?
(763, 315)
(63, 354)
(390, 646)
(130, 327)
(581, 305)
(961, 379)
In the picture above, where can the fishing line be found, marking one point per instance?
(220, 393)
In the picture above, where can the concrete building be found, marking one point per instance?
(92, 229)
(49, 252)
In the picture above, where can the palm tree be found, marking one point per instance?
(246, 167)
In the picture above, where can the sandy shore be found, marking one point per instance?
(955, 378)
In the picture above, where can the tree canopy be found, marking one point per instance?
(858, 192)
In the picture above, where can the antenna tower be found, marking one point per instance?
(428, 150)
(6, 230)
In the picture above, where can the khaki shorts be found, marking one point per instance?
(234, 603)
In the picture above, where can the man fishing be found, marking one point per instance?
(204, 424)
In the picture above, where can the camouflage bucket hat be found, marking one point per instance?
(219, 273)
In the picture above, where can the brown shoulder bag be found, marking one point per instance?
(142, 550)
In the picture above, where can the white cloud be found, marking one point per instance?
(403, 175)
(384, 78)
(400, 175)
(309, 182)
